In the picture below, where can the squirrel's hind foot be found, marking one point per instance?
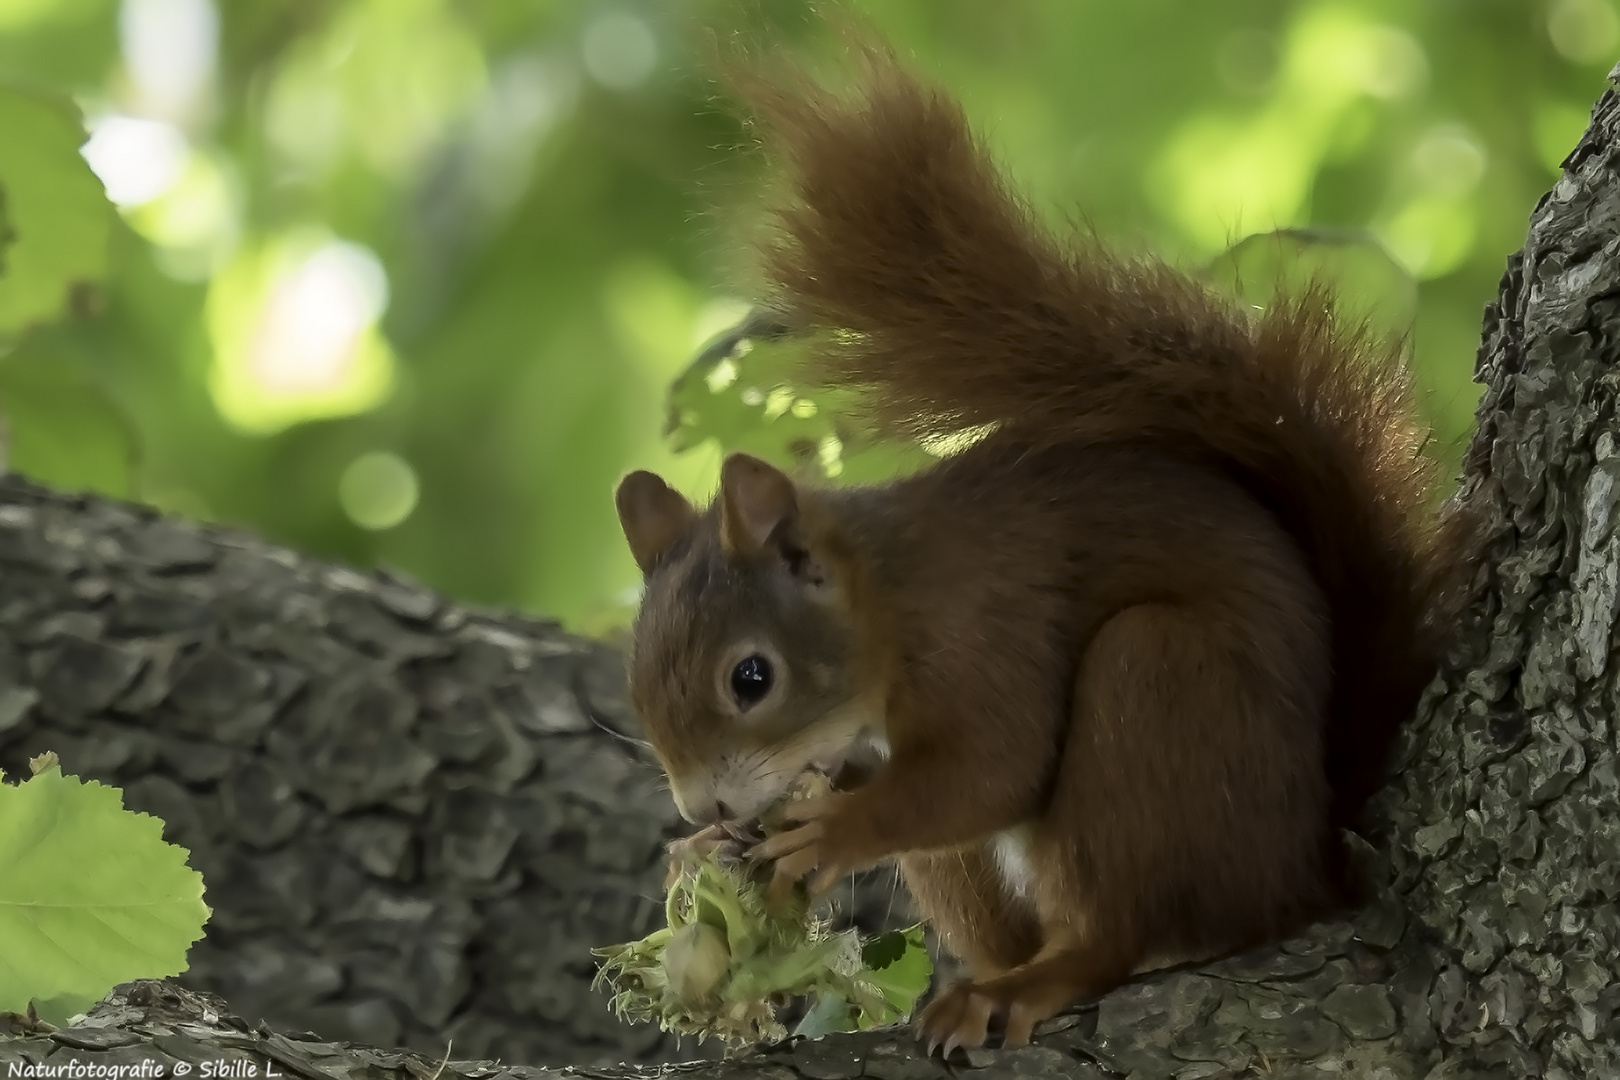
(966, 1013)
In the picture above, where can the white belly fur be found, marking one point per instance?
(1009, 849)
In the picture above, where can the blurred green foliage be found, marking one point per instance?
(407, 281)
(57, 220)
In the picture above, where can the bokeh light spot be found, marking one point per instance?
(1225, 173)
(169, 49)
(721, 376)
(1392, 63)
(385, 80)
(137, 160)
(1449, 160)
(295, 336)
(830, 453)
(378, 490)
(1584, 31)
(196, 223)
(620, 50)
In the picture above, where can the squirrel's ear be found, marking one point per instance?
(652, 514)
(756, 500)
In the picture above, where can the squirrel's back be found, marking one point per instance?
(933, 288)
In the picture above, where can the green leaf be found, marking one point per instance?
(90, 894)
(60, 1011)
(739, 392)
(828, 1015)
(884, 950)
(56, 207)
(65, 430)
(904, 978)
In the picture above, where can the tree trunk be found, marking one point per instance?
(415, 820)
(1506, 813)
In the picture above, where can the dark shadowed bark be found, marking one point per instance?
(414, 823)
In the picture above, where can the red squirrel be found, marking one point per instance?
(1122, 667)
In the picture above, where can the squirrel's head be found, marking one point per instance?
(743, 664)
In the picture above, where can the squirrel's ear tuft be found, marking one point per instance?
(652, 514)
(756, 501)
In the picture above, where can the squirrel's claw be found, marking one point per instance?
(797, 853)
(958, 1018)
(706, 841)
(801, 855)
(791, 842)
(808, 853)
(966, 1014)
(815, 808)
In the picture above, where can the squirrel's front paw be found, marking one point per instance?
(717, 840)
(817, 849)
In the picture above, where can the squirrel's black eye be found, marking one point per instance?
(751, 680)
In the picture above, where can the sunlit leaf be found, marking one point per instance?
(739, 392)
(90, 894)
(60, 1010)
(58, 212)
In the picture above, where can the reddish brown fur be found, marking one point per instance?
(904, 233)
(1164, 619)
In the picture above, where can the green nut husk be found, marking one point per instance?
(727, 960)
(696, 961)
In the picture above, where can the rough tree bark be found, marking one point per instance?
(413, 824)
(413, 820)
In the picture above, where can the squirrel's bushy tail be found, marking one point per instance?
(936, 290)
